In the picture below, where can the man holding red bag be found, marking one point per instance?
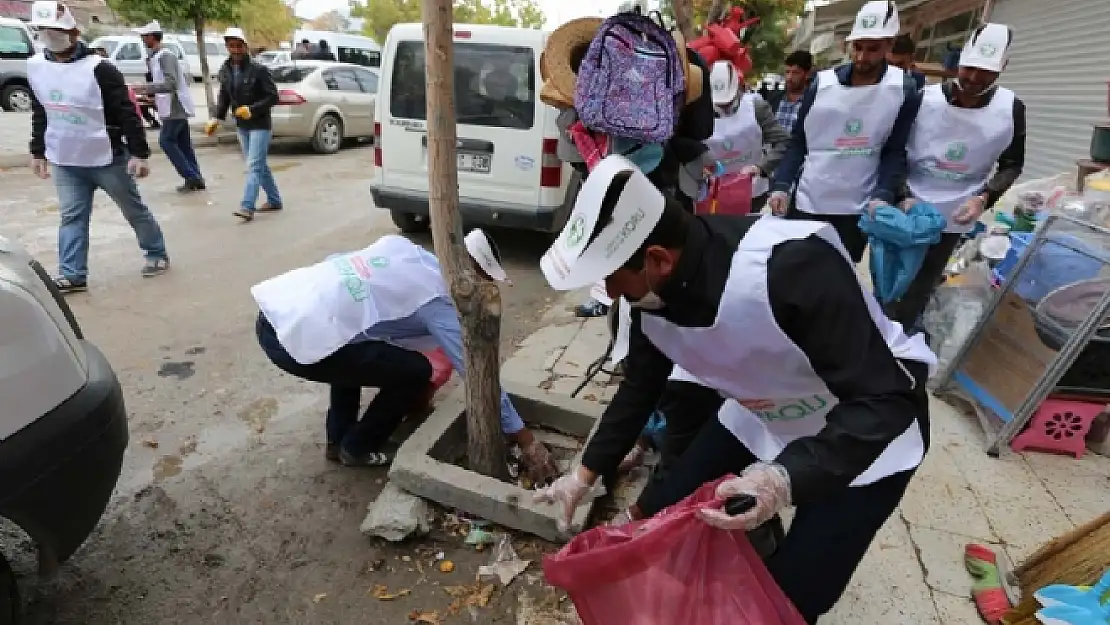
(825, 408)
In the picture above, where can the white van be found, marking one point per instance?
(347, 48)
(214, 48)
(128, 54)
(509, 173)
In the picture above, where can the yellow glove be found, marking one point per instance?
(243, 112)
(210, 127)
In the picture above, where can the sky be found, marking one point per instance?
(557, 11)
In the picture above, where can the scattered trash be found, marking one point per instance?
(471, 596)
(381, 593)
(188, 446)
(505, 565)
(440, 556)
(395, 515)
(406, 558)
(428, 618)
(446, 566)
(479, 537)
(320, 597)
(150, 442)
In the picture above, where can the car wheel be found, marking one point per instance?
(11, 607)
(16, 98)
(409, 223)
(329, 135)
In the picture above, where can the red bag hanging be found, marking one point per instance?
(729, 194)
(441, 367)
(668, 570)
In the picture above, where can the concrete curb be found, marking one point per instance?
(10, 161)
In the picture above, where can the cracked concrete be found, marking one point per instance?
(914, 573)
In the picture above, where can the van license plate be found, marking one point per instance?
(474, 163)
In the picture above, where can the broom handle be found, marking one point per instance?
(1054, 547)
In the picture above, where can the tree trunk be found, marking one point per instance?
(198, 24)
(478, 300)
(717, 11)
(682, 12)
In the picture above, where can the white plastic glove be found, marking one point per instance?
(970, 211)
(138, 167)
(624, 517)
(569, 491)
(778, 203)
(40, 168)
(768, 483)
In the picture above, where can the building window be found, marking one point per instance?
(945, 35)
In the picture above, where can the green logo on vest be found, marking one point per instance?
(576, 232)
(792, 410)
(956, 151)
(380, 262)
(853, 127)
(988, 50)
(868, 21)
(57, 96)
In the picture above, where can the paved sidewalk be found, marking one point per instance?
(914, 573)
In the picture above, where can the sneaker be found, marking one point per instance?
(192, 185)
(155, 267)
(70, 285)
(368, 459)
(246, 214)
(269, 208)
(592, 308)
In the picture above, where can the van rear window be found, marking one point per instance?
(495, 85)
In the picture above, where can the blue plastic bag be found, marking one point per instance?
(898, 242)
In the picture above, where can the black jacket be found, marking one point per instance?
(125, 129)
(255, 89)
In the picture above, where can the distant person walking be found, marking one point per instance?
(84, 126)
(323, 52)
(175, 106)
(249, 92)
(304, 50)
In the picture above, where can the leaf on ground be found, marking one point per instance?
(428, 618)
(381, 593)
(473, 595)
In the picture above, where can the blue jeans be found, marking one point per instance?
(76, 186)
(256, 146)
(178, 146)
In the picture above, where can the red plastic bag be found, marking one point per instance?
(441, 367)
(730, 194)
(668, 570)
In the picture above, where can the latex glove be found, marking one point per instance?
(243, 112)
(768, 483)
(40, 168)
(778, 203)
(908, 204)
(970, 211)
(538, 463)
(210, 127)
(138, 167)
(624, 517)
(569, 491)
(751, 170)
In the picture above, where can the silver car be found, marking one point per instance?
(324, 102)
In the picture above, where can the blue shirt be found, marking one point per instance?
(439, 321)
(892, 158)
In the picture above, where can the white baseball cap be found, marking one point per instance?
(149, 29)
(876, 20)
(574, 261)
(724, 82)
(484, 252)
(235, 33)
(48, 14)
(988, 48)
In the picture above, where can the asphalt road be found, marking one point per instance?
(226, 511)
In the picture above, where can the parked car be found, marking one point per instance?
(213, 48)
(16, 46)
(63, 429)
(129, 55)
(273, 58)
(509, 172)
(324, 102)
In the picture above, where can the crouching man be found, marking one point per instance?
(357, 320)
(825, 404)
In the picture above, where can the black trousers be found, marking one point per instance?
(907, 310)
(847, 226)
(827, 539)
(400, 375)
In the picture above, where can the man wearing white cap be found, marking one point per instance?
(966, 129)
(84, 124)
(357, 320)
(175, 106)
(249, 92)
(825, 404)
(743, 124)
(848, 148)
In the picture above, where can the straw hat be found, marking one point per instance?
(694, 76)
(549, 93)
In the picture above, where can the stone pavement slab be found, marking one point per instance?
(913, 574)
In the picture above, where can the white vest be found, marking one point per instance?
(316, 310)
(163, 100)
(75, 132)
(952, 151)
(846, 128)
(737, 141)
(774, 395)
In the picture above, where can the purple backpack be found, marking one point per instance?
(631, 83)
